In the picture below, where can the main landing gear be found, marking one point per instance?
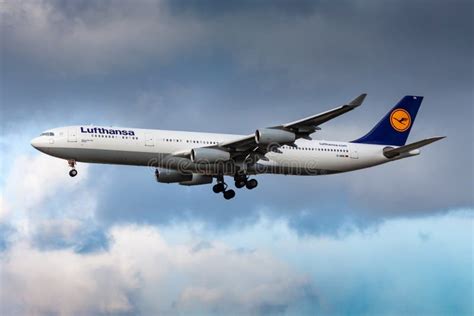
(240, 182)
(244, 181)
(72, 164)
(221, 186)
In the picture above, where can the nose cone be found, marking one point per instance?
(36, 142)
(40, 144)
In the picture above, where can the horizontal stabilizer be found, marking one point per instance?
(390, 152)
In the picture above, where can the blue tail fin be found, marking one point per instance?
(394, 128)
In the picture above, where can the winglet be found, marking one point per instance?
(358, 101)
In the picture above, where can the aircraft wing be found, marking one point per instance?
(301, 129)
(310, 124)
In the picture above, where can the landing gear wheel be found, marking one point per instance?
(218, 188)
(229, 194)
(240, 180)
(73, 172)
(239, 184)
(251, 184)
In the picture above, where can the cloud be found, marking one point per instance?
(383, 271)
(148, 271)
(38, 177)
(74, 284)
(82, 235)
(142, 273)
(40, 201)
(3, 208)
(273, 37)
(297, 245)
(260, 65)
(54, 33)
(315, 47)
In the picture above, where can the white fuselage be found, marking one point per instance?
(164, 149)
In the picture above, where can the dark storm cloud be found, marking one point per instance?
(220, 66)
(212, 8)
(336, 48)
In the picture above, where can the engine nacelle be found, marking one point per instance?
(172, 176)
(198, 179)
(267, 136)
(208, 155)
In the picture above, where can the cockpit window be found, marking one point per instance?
(47, 134)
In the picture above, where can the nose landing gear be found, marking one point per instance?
(72, 164)
(73, 172)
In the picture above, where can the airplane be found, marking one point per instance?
(194, 158)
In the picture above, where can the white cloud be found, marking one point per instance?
(32, 179)
(3, 208)
(62, 282)
(145, 273)
(142, 269)
(40, 200)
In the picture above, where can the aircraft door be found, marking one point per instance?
(72, 135)
(149, 140)
(354, 153)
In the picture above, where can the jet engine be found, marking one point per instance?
(267, 136)
(208, 155)
(198, 179)
(174, 176)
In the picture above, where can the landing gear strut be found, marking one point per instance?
(72, 164)
(221, 186)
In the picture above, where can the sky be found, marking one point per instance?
(392, 240)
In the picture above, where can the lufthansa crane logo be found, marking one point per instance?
(400, 120)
